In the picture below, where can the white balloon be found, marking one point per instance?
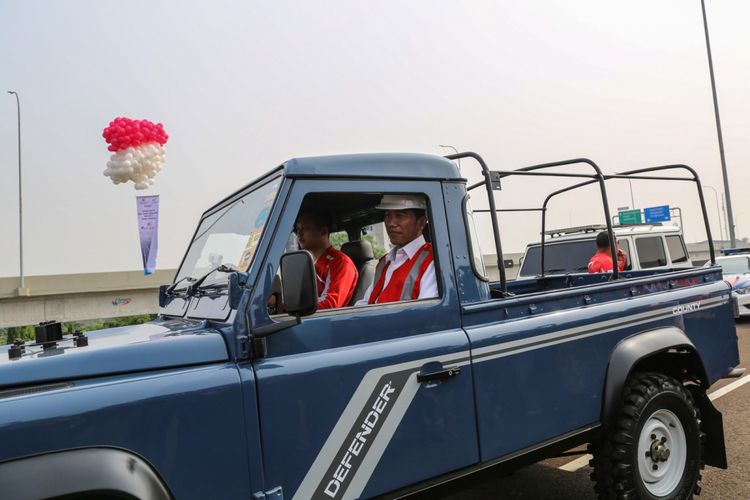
(139, 165)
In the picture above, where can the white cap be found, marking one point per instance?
(402, 202)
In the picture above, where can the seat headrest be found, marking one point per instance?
(358, 251)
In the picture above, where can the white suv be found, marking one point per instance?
(649, 246)
(735, 266)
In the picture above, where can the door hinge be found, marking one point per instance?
(260, 348)
(273, 494)
(243, 347)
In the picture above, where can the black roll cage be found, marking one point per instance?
(492, 180)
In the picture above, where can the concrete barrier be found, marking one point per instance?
(80, 297)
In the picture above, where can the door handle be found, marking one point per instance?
(438, 375)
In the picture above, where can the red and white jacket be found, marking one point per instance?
(337, 279)
(404, 273)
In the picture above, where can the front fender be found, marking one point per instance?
(86, 470)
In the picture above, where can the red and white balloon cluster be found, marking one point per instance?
(138, 151)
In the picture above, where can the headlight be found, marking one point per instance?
(743, 291)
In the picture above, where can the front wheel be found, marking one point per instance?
(654, 448)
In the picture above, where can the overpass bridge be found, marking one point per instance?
(79, 297)
(88, 296)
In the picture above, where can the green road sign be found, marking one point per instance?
(630, 217)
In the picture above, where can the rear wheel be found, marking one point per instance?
(654, 448)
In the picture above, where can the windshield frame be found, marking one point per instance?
(226, 203)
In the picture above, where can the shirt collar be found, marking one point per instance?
(409, 249)
(327, 252)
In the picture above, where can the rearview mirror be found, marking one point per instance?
(298, 283)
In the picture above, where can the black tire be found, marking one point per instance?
(650, 399)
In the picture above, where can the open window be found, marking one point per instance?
(624, 245)
(345, 232)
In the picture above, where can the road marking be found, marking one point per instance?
(576, 464)
(729, 387)
(583, 461)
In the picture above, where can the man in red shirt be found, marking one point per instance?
(337, 274)
(601, 261)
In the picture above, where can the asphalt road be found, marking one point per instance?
(544, 480)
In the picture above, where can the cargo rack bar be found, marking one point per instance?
(492, 183)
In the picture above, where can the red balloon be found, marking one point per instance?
(123, 133)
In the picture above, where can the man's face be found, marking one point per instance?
(309, 236)
(403, 226)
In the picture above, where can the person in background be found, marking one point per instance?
(407, 271)
(336, 273)
(601, 261)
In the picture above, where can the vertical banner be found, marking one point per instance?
(148, 230)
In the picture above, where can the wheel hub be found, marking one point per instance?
(659, 451)
(662, 452)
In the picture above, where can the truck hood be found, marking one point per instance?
(150, 346)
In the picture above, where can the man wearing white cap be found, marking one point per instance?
(407, 272)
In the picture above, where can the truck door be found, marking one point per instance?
(342, 413)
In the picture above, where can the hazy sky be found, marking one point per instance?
(242, 86)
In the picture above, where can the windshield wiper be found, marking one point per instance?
(223, 268)
(171, 289)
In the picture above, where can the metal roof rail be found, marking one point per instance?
(590, 228)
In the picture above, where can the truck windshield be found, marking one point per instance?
(567, 257)
(229, 236)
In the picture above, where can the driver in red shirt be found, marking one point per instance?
(336, 273)
(601, 261)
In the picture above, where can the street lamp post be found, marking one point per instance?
(454, 149)
(730, 217)
(718, 210)
(632, 200)
(22, 287)
(724, 211)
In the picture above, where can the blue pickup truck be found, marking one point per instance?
(224, 396)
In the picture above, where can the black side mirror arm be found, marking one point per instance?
(270, 329)
(300, 291)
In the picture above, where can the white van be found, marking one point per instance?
(649, 246)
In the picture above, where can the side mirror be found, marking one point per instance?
(298, 283)
(299, 289)
(163, 295)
